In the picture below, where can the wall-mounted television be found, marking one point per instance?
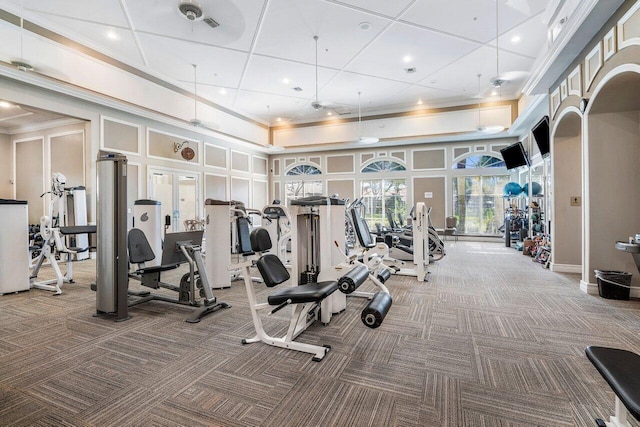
(514, 156)
(541, 135)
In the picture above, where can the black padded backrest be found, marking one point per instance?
(362, 230)
(260, 240)
(392, 223)
(272, 270)
(244, 241)
(139, 248)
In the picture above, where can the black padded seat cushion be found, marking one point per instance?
(156, 268)
(310, 292)
(620, 369)
(272, 270)
(260, 240)
(139, 248)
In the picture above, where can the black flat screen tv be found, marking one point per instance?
(541, 135)
(514, 156)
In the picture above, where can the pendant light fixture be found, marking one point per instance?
(195, 122)
(316, 103)
(21, 64)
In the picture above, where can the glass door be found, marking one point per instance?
(178, 193)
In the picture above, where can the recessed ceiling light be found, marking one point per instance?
(279, 119)
(112, 35)
(515, 39)
(494, 93)
(5, 104)
(364, 26)
(223, 91)
(286, 81)
(329, 113)
(419, 101)
(407, 58)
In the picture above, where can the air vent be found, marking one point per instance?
(211, 22)
(297, 89)
(410, 70)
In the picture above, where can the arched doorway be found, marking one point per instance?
(566, 157)
(612, 172)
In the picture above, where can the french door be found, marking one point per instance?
(177, 191)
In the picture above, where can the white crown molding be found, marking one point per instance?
(564, 51)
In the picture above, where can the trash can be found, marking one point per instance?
(613, 284)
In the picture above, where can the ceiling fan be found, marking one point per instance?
(193, 12)
(363, 139)
(195, 121)
(316, 104)
(500, 80)
(483, 128)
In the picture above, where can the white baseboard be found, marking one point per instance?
(566, 268)
(589, 288)
(592, 289)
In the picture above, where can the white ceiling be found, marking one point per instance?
(261, 42)
(14, 117)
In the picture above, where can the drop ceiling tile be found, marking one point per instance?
(174, 59)
(122, 47)
(384, 7)
(107, 12)
(220, 95)
(265, 74)
(238, 21)
(339, 40)
(461, 77)
(471, 19)
(255, 103)
(532, 36)
(429, 51)
(374, 90)
(408, 98)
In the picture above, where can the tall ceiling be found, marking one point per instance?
(263, 49)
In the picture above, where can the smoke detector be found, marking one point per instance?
(190, 10)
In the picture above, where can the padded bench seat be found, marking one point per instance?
(310, 292)
(621, 369)
(157, 268)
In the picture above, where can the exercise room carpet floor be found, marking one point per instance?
(493, 339)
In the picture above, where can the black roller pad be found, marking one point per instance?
(353, 279)
(375, 312)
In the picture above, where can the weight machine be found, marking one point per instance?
(227, 227)
(307, 297)
(54, 239)
(278, 224)
(112, 267)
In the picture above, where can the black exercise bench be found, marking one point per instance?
(621, 369)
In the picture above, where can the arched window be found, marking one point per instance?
(479, 161)
(303, 186)
(383, 166)
(303, 170)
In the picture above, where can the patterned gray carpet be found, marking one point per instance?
(493, 339)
